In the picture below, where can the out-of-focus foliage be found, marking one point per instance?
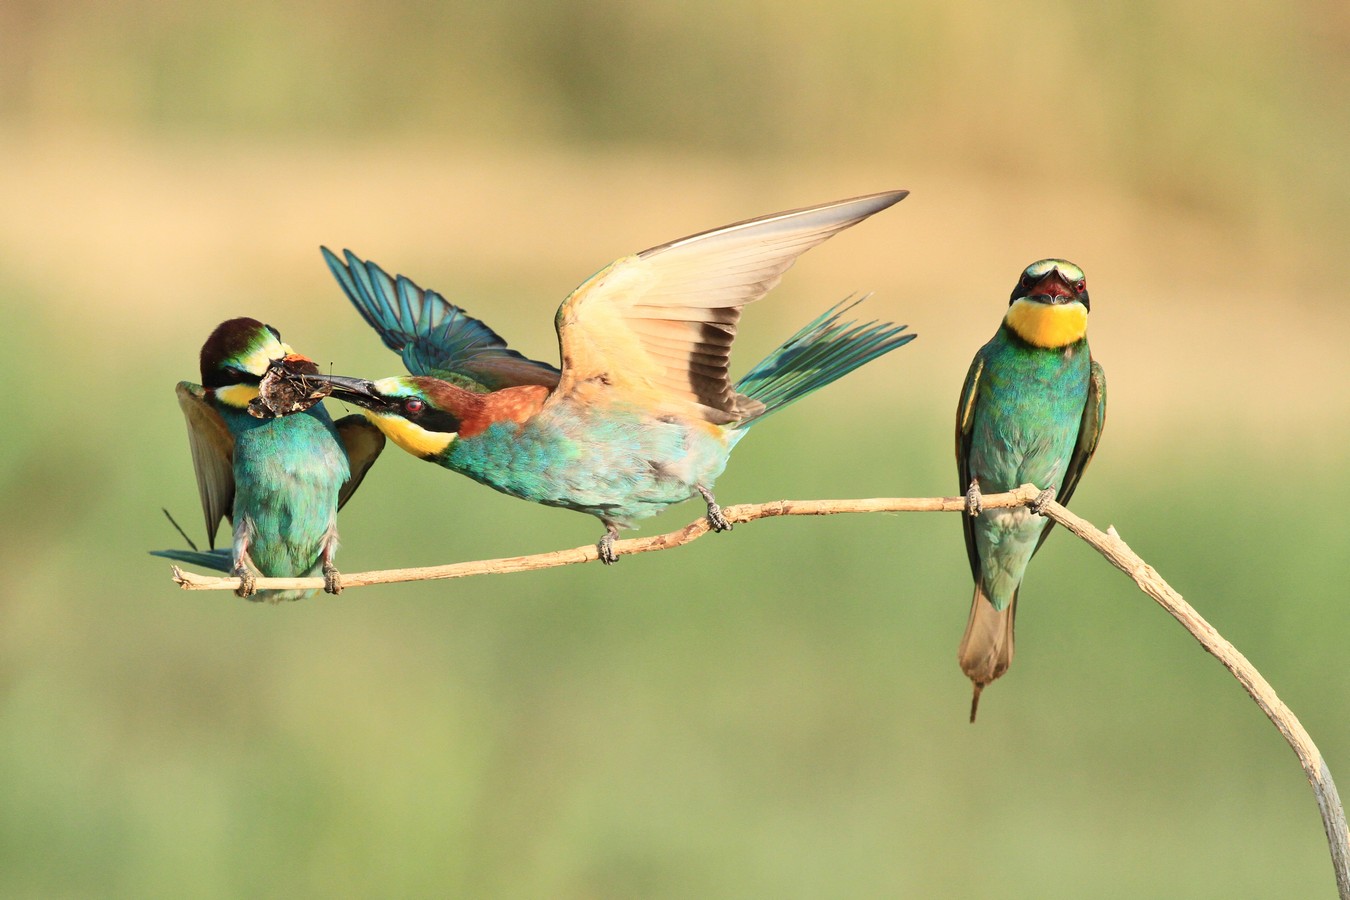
(773, 712)
(1226, 106)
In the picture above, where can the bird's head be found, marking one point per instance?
(421, 415)
(1049, 305)
(236, 356)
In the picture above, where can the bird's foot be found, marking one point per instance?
(332, 578)
(606, 546)
(1037, 506)
(248, 583)
(716, 519)
(974, 499)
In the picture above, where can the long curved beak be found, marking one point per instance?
(360, 391)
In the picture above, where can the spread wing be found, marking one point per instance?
(1089, 434)
(363, 443)
(965, 421)
(212, 455)
(433, 336)
(657, 327)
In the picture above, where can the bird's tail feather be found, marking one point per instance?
(987, 646)
(218, 560)
(825, 350)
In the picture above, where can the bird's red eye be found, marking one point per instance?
(1079, 285)
(413, 405)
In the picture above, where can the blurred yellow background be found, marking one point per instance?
(776, 712)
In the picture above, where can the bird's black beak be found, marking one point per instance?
(360, 391)
(1053, 288)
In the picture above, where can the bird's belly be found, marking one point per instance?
(619, 468)
(286, 492)
(1025, 428)
(1005, 461)
(1016, 441)
(1027, 416)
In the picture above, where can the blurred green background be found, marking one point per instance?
(771, 713)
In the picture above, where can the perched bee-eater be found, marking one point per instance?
(280, 481)
(1031, 411)
(642, 415)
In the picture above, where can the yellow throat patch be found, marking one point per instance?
(1047, 325)
(411, 437)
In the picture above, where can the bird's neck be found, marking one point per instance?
(513, 404)
(478, 412)
(474, 412)
(1047, 325)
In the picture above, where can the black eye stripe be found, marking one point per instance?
(433, 419)
(229, 375)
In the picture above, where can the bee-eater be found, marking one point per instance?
(642, 415)
(1031, 411)
(280, 481)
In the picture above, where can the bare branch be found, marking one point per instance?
(1109, 544)
(746, 512)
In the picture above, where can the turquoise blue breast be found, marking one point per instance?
(287, 476)
(1028, 411)
(620, 464)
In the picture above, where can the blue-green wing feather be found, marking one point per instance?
(825, 350)
(1089, 433)
(432, 335)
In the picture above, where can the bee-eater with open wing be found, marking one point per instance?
(643, 415)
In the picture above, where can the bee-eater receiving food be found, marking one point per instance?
(280, 481)
(1032, 410)
(642, 415)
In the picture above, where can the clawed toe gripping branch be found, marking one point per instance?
(1109, 545)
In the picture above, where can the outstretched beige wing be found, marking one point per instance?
(657, 328)
(212, 455)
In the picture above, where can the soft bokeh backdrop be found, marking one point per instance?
(775, 712)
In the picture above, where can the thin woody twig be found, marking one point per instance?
(1109, 544)
(745, 512)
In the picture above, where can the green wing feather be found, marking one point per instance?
(965, 421)
(434, 336)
